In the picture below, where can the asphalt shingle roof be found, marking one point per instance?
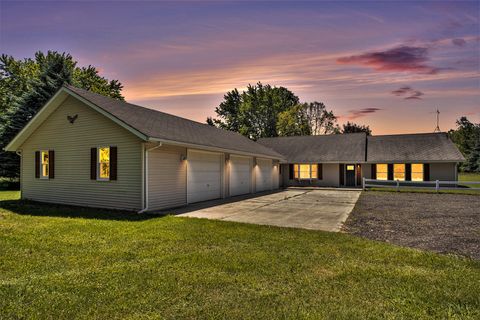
(422, 147)
(325, 148)
(160, 125)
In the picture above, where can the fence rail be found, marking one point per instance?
(437, 184)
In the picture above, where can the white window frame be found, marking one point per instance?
(98, 163)
(41, 165)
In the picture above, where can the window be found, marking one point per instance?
(103, 163)
(305, 171)
(350, 167)
(44, 166)
(382, 171)
(417, 171)
(399, 171)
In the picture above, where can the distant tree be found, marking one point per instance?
(321, 120)
(293, 122)
(33, 82)
(351, 127)
(467, 136)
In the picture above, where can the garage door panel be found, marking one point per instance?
(263, 176)
(240, 175)
(203, 176)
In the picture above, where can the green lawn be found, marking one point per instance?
(464, 176)
(65, 263)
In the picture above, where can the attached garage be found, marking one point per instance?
(240, 175)
(263, 175)
(204, 176)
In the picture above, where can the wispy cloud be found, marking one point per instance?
(358, 113)
(408, 93)
(459, 42)
(402, 58)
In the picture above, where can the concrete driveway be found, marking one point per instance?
(297, 208)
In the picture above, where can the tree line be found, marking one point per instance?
(263, 111)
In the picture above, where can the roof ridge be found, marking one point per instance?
(316, 135)
(408, 134)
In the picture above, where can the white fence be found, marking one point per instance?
(436, 185)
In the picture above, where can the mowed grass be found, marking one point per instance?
(59, 262)
(467, 176)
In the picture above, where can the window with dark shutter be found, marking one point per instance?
(93, 163)
(320, 171)
(51, 164)
(37, 164)
(113, 163)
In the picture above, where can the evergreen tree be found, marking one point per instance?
(51, 71)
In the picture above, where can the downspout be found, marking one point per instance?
(145, 176)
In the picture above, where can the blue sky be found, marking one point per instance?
(387, 64)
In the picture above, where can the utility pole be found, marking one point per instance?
(437, 128)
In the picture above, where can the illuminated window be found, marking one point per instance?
(350, 167)
(382, 171)
(399, 171)
(417, 172)
(103, 163)
(44, 165)
(305, 171)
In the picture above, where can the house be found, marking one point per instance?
(344, 159)
(86, 149)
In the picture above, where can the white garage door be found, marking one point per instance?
(240, 175)
(204, 175)
(263, 175)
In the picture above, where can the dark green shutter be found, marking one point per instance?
(37, 164)
(426, 172)
(374, 171)
(320, 171)
(290, 171)
(51, 164)
(93, 163)
(113, 163)
(390, 171)
(408, 171)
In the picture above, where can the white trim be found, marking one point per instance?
(145, 178)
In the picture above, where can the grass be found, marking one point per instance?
(467, 176)
(59, 262)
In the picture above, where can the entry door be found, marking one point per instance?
(204, 176)
(350, 175)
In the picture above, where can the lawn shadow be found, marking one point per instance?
(42, 209)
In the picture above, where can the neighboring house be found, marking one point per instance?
(86, 149)
(344, 159)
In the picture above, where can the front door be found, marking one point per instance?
(350, 175)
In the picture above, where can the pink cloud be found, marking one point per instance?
(403, 58)
(408, 93)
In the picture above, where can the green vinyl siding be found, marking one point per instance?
(72, 144)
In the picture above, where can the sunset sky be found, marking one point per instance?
(385, 64)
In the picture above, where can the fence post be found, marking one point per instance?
(363, 183)
(398, 185)
(437, 185)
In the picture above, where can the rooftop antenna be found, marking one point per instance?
(437, 128)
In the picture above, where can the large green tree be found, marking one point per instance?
(26, 85)
(467, 138)
(266, 111)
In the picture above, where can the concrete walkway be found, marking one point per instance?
(297, 208)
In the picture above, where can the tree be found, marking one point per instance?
(33, 83)
(321, 120)
(351, 127)
(293, 122)
(467, 136)
(254, 113)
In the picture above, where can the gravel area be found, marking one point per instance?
(444, 223)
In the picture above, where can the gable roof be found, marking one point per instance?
(421, 147)
(323, 148)
(150, 125)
